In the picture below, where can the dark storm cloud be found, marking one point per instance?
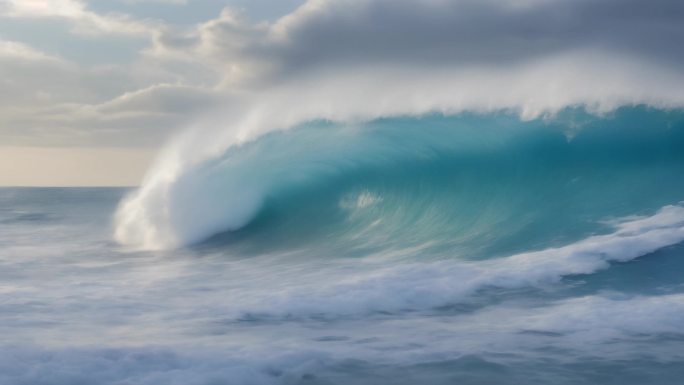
(447, 33)
(467, 32)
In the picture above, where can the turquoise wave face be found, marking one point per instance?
(467, 186)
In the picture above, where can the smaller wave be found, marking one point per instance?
(604, 318)
(431, 285)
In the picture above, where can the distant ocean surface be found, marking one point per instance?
(471, 249)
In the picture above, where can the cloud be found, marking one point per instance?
(465, 31)
(48, 100)
(435, 33)
(75, 12)
(141, 118)
(29, 75)
(176, 2)
(13, 49)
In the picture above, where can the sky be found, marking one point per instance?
(88, 96)
(92, 89)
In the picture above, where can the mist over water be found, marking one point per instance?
(473, 248)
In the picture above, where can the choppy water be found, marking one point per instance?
(435, 250)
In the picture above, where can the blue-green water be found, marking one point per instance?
(435, 250)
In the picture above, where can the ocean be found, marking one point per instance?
(465, 249)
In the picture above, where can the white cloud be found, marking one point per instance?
(38, 8)
(16, 50)
(31, 76)
(141, 118)
(327, 34)
(83, 21)
(47, 100)
(178, 2)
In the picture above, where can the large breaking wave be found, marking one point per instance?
(467, 184)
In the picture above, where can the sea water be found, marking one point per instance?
(468, 249)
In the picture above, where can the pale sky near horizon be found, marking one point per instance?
(63, 167)
(91, 89)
